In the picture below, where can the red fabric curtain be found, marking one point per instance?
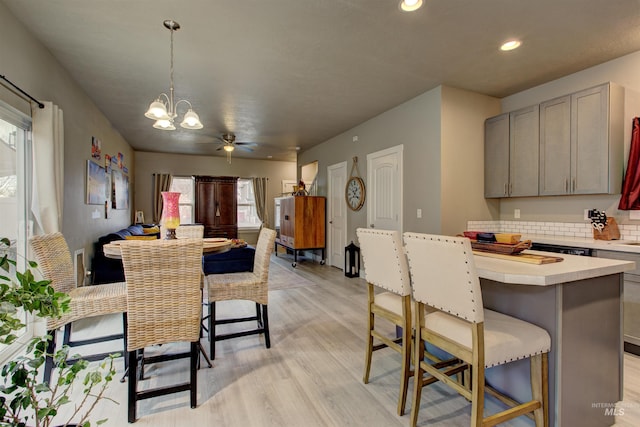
(630, 199)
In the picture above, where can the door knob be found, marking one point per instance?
(330, 222)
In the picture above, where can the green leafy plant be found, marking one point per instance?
(24, 399)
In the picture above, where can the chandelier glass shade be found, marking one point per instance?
(164, 110)
(410, 5)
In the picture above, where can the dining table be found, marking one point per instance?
(209, 245)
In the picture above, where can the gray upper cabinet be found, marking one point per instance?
(496, 156)
(581, 142)
(523, 152)
(576, 147)
(511, 154)
(555, 146)
(597, 140)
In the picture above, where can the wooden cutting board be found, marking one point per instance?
(522, 257)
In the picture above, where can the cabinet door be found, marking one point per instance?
(555, 146)
(496, 156)
(205, 203)
(227, 204)
(524, 152)
(287, 220)
(590, 141)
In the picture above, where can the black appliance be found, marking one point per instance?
(560, 249)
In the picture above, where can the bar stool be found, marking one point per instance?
(444, 277)
(385, 266)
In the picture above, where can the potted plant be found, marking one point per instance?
(24, 399)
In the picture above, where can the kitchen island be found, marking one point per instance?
(579, 302)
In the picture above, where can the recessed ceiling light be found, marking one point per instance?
(510, 45)
(410, 5)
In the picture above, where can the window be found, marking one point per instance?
(247, 216)
(15, 184)
(185, 186)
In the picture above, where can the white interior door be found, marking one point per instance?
(336, 214)
(384, 192)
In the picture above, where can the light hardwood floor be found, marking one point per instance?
(311, 376)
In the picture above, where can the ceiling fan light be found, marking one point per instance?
(228, 148)
(191, 120)
(157, 111)
(164, 125)
(410, 5)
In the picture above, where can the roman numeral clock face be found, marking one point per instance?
(354, 193)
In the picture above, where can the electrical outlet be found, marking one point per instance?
(586, 214)
(419, 213)
(634, 214)
(516, 213)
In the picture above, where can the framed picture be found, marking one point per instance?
(120, 183)
(96, 184)
(96, 148)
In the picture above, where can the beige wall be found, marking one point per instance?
(462, 159)
(623, 71)
(32, 67)
(180, 164)
(442, 132)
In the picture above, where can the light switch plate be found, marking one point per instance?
(586, 214)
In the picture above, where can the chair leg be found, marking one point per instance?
(66, 337)
(258, 316)
(369, 350)
(540, 388)
(195, 357)
(477, 395)
(212, 330)
(48, 363)
(265, 322)
(406, 365)
(418, 373)
(133, 380)
(125, 325)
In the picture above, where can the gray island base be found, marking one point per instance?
(579, 302)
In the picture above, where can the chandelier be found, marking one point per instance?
(163, 110)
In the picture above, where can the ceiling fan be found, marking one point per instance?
(229, 144)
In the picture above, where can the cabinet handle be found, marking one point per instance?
(566, 185)
(372, 226)
(510, 188)
(505, 189)
(573, 189)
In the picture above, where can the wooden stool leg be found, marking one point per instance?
(369, 349)
(265, 322)
(406, 355)
(418, 356)
(540, 388)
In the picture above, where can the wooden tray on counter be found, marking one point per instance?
(501, 248)
(528, 258)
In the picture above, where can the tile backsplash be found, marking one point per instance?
(571, 229)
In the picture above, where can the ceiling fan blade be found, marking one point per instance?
(251, 144)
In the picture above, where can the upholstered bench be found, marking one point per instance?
(235, 260)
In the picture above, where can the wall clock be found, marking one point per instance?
(354, 192)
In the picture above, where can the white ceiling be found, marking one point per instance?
(294, 73)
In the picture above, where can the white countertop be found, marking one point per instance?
(610, 245)
(572, 268)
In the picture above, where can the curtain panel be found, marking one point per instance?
(161, 182)
(48, 167)
(260, 194)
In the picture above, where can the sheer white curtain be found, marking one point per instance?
(48, 168)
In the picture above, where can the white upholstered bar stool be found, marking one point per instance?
(385, 266)
(444, 277)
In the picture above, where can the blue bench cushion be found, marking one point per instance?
(235, 260)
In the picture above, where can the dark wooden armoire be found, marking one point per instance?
(217, 205)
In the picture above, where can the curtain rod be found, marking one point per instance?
(40, 104)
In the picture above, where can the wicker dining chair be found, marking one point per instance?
(190, 231)
(164, 306)
(443, 277)
(250, 286)
(55, 263)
